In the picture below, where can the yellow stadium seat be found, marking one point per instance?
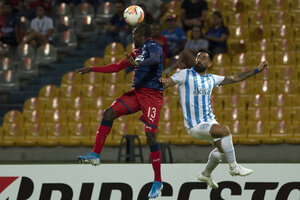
(122, 128)
(168, 114)
(11, 134)
(244, 88)
(78, 132)
(265, 87)
(174, 6)
(96, 115)
(286, 44)
(242, 60)
(287, 73)
(216, 102)
(93, 78)
(114, 78)
(263, 45)
(279, 5)
(221, 60)
(296, 15)
(238, 32)
(268, 75)
(46, 93)
(71, 78)
(280, 113)
(257, 5)
(285, 59)
(167, 132)
(111, 59)
(288, 87)
(281, 131)
(94, 62)
(232, 114)
(238, 19)
(237, 46)
(130, 47)
(236, 6)
(112, 90)
(259, 18)
(296, 100)
(257, 132)
(139, 129)
(13, 116)
(222, 91)
(238, 130)
(56, 116)
(56, 103)
(56, 132)
(77, 116)
(91, 91)
(97, 103)
(259, 32)
(258, 100)
(34, 133)
(34, 116)
(255, 114)
(258, 57)
(216, 5)
(282, 32)
(280, 17)
(235, 101)
(114, 48)
(32, 104)
(68, 92)
(296, 136)
(77, 103)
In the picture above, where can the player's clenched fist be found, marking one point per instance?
(84, 70)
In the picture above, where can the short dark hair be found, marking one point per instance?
(206, 51)
(143, 29)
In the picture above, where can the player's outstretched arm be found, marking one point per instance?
(167, 82)
(245, 75)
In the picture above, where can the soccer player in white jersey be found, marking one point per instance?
(195, 88)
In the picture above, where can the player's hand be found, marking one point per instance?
(263, 65)
(84, 70)
(164, 82)
(131, 60)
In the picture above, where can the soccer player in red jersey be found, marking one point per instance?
(147, 96)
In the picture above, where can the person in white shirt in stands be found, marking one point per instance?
(195, 88)
(41, 29)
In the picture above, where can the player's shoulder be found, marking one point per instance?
(181, 72)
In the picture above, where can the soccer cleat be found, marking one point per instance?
(90, 158)
(155, 190)
(207, 179)
(240, 171)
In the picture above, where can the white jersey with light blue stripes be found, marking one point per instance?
(195, 91)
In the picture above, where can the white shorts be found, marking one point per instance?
(201, 131)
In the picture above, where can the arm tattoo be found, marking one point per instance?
(237, 78)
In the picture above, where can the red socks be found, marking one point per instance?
(102, 133)
(155, 160)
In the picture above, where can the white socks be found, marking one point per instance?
(214, 158)
(228, 149)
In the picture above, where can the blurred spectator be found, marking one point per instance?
(161, 40)
(21, 10)
(117, 28)
(8, 26)
(217, 34)
(155, 7)
(41, 29)
(191, 49)
(193, 13)
(147, 16)
(175, 36)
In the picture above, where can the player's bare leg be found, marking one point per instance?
(155, 160)
(225, 146)
(94, 157)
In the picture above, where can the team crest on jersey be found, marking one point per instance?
(201, 91)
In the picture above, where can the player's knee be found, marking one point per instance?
(151, 139)
(109, 114)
